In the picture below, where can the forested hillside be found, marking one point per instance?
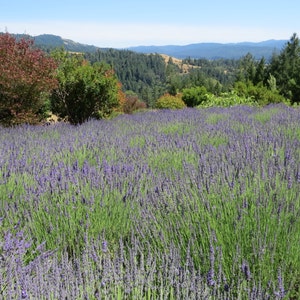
(199, 50)
(49, 42)
(150, 76)
(217, 50)
(143, 74)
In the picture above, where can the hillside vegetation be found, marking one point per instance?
(140, 80)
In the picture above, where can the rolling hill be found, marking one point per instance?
(199, 50)
(216, 50)
(50, 41)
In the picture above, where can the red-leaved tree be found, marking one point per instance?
(27, 76)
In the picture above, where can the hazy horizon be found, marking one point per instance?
(120, 24)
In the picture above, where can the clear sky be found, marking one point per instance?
(123, 23)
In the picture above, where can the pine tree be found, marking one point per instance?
(285, 67)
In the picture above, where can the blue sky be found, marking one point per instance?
(123, 23)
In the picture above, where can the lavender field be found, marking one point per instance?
(187, 204)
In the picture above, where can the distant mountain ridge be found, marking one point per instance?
(217, 50)
(57, 41)
(50, 41)
(198, 50)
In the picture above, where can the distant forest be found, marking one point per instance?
(150, 76)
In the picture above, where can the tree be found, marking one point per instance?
(85, 91)
(259, 93)
(246, 68)
(260, 72)
(168, 101)
(27, 75)
(285, 67)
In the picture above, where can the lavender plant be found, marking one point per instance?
(189, 204)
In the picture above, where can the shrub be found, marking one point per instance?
(168, 101)
(26, 79)
(85, 91)
(259, 93)
(132, 103)
(227, 100)
(194, 96)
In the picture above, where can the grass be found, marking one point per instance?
(173, 204)
(214, 118)
(265, 116)
(179, 128)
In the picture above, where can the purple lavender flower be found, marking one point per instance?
(281, 292)
(246, 270)
(210, 277)
(211, 273)
(92, 166)
(24, 294)
(104, 246)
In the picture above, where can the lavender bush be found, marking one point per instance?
(189, 204)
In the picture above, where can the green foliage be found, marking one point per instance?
(141, 73)
(271, 82)
(194, 96)
(260, 72)
(247, 68)
(244, 94)
(255, 81)
(168, 101)
(259, 94)
(26, 79)
(285, 67)
(85, 91)
(222, 70)
(227, 100)
(149, 76)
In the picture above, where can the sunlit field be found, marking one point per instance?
(185, 204)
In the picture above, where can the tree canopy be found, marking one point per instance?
(27, 76)
(85, 90)
(285, 67)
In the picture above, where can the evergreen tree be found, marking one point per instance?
(260, 72)
(247, 69)
(285, 67)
